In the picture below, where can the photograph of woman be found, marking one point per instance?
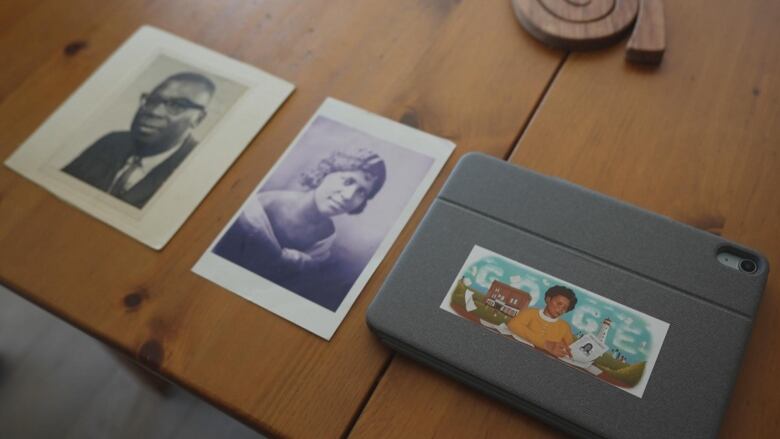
(313, 232)
(318, 218)
(283, 233)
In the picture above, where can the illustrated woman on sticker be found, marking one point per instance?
(542, 326)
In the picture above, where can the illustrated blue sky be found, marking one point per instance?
(629, 331)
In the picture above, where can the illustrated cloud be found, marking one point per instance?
(487, 274)
(527, 285)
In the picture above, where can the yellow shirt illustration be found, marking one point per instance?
(537, 328)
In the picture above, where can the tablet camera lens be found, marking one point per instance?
(747, 266)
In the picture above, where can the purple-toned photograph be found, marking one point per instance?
(318, 219)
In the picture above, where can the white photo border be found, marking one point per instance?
(189, 186)
(297, 309)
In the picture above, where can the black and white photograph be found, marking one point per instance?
(145, 138)
(306, 241)
(150, 130)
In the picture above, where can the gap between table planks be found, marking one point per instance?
(696, 140)
(459, 69)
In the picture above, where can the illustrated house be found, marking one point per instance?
(506, 298)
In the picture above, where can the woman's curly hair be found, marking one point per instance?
(559, 290)
(354, 159)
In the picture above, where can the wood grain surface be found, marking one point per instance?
(59, 383)
(697, 140)
(459, 69)
(414, 401)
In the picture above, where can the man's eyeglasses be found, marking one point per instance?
(172, 106)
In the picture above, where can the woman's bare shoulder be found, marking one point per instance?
(262, 204)
(268, 198)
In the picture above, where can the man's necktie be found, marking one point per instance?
(119, 186)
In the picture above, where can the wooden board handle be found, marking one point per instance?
(648, 41)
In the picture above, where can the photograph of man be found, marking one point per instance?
(544, 328)
(132, 165)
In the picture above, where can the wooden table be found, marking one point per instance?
(697, 139)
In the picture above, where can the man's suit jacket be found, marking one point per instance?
(99, 165)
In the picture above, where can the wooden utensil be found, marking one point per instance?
(593, 24)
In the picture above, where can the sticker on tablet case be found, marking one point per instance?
(596, 335)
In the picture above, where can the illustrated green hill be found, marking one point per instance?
(608, 362)
(628, 374)
(483, 311)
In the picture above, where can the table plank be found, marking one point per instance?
(696, 140)
(459, 69)
(31, 31)
(415, 401)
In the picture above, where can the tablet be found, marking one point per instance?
(598, 317)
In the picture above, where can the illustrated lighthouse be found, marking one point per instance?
(602, 336)
(586, 349)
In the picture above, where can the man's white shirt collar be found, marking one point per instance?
(152, 161)
(146, 165)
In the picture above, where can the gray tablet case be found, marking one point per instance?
(644, 261)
